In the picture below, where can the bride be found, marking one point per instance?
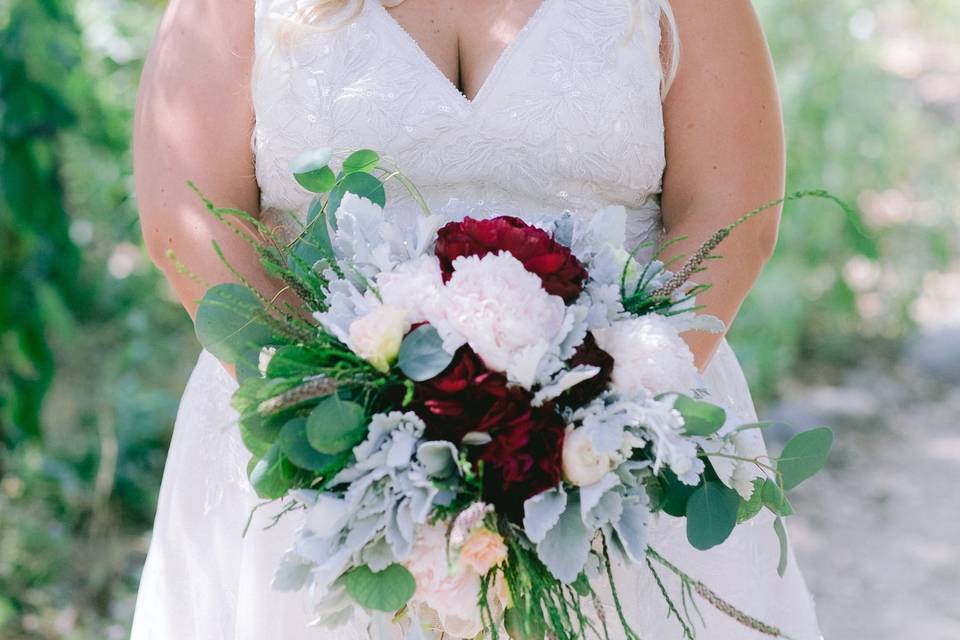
(512, 106)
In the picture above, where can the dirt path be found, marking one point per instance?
(878, 535)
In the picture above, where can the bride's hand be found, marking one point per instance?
(725, 151)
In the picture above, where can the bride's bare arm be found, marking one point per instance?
(725, 151)
(193, 122)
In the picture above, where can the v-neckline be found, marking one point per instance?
(489, 82)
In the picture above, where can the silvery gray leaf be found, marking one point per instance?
(400, 530)
(400, 450)
(564, 381)
(438, 458)
(608, 509)
(606, 436)
(592, 494)
(363, 531)
(542, 511)
(378, 555)
(565, 547)
(292, 572)
(477, 438)
(631, 528)
(632, 472)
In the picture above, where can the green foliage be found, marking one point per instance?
(711, 514)
(700, 418)
(386, 590)
(804, 456)
(336, 425)
(421, 354)
(224, 325)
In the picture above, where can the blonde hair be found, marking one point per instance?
(318, 13)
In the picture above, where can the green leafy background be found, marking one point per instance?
(94, 351)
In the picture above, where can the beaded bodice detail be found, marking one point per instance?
(569, 118)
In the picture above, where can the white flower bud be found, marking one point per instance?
(376, 336)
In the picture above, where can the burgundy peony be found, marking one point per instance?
(559, 270)
(523, 457)
(466, 397)
(588, 353)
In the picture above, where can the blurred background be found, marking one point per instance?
(855, 323)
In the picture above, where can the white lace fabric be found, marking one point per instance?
(569, 119)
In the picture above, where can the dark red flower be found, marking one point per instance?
(559, 270)
(523, 459)
(523, 456)
(588, 353)
(466, 397)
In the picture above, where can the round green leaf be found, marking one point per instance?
(319, 180)
(229, 322)
(804, 456)
(362, 160)
(520, 627)
(675, 494)
(711, 515)
(699, 418)
(386, 590)
(294, 444)
(360, 184)
(774, 499)
(311, 160)
(422, 355)
(750, 508)
(336, 425)
(272, 476)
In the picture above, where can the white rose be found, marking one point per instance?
(648, 355)
(376, 336)
(582, 465)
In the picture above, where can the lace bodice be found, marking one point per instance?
(569, 118)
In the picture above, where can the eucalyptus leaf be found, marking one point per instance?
(674, 494)
(311, 160)
(363, 160)
(335, 425)
(294, 444)
(774, 498)
(749, 508)
(319, 180)
(804, 456)
(422, 355)
(272, 476)
(386, 590)
(781, 532)
(521, 627)
(711, 514)
(317, 225)
(255, 440)
(699, 418)
(229, 322)
(361, 184)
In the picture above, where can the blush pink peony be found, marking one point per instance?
(648, 355)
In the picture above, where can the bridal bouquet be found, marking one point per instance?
(476, 418)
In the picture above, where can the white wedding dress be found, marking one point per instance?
(569, 119)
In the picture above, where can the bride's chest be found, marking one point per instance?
(570, 108)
